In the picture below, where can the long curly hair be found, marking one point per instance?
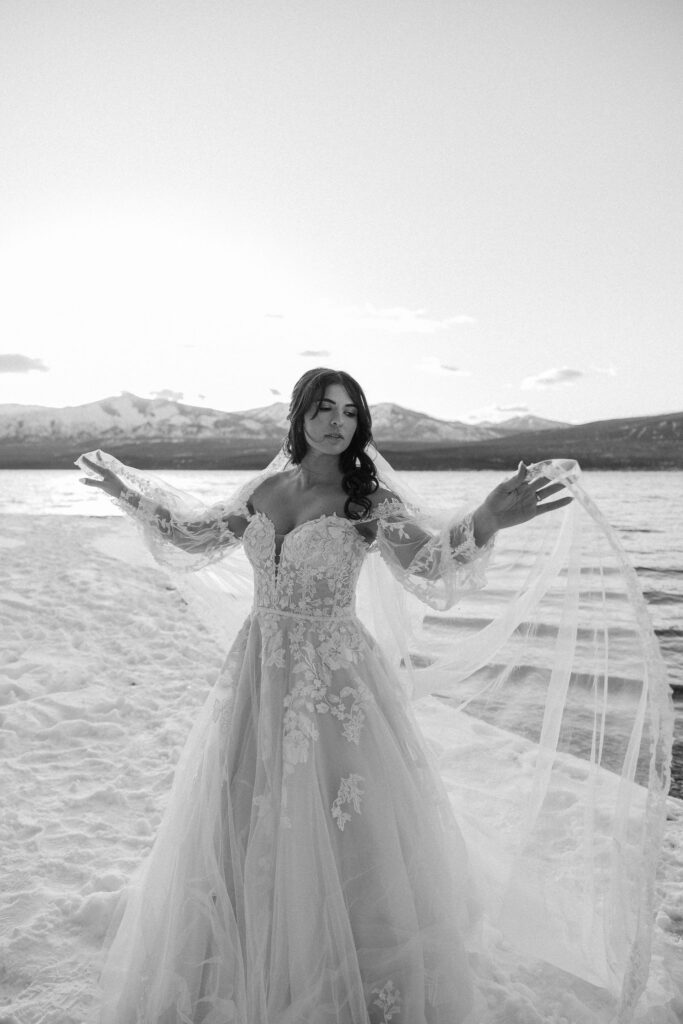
(359, 474)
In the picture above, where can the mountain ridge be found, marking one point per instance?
(130, 416)
(164, 433)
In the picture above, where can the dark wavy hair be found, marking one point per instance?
(359, 474)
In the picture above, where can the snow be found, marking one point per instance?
(126, 417)
(102, 668)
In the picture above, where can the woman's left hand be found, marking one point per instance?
(516, 501)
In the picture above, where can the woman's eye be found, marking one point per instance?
(328, 408)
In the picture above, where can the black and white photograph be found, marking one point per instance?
(341, 512)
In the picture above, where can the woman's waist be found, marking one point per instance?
(310, 614)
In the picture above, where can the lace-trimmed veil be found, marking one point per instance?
(543, 698)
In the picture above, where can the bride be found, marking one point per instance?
(311, 867)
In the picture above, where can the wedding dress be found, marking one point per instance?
(336, 839)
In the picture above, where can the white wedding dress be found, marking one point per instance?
(309, 868)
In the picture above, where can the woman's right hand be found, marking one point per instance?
(110, 483)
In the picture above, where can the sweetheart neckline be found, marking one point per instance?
(306, 522)
(278, 548)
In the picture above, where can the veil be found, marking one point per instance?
(542, 697)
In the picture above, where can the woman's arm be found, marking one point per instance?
(414, 550)
(204, 533)
(211, 530)
(438, 564)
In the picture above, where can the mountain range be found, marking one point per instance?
(162, 433)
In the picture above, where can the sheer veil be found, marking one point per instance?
(543, 699)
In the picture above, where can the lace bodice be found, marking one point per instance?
(311, 571)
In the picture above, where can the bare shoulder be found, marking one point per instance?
(272, 486)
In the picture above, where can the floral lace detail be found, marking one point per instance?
(312, 652)
(450, 550)
(435, 565)
(314, 571)
(304, 604)
(274, 653)
(466, 558)
(178, 538)
(394, 507)
(222, 708)
(349, 793)
(388, 1000)
(316, 654)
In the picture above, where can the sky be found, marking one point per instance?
(473, 206)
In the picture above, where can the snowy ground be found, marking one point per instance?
(101, 670)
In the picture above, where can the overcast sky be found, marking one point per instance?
(474, 206)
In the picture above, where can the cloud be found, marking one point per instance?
(15, 363)
(558, 377)
(173, 396)
(431, 364)
(274, 391)
(494, 413)
(608, 371)
(317, 352)
(455, 369)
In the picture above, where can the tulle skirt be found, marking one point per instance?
(308, 868)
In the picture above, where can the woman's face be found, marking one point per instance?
(330, 424)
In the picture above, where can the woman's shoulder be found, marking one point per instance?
(272, 484)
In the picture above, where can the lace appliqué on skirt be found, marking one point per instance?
(349, 793)
(388, 1000)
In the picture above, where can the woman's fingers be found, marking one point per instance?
(552, 505)
(519, 498)
(106, 479)
(108, 474)
(91, 465)
(545, 492)
(538, 481)
(515, 483)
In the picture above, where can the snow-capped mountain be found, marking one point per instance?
(522, 424)
(159, 432)
(130, 418)
(395, 423)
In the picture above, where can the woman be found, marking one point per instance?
(309, 867)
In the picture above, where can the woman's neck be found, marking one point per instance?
(319, 470)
